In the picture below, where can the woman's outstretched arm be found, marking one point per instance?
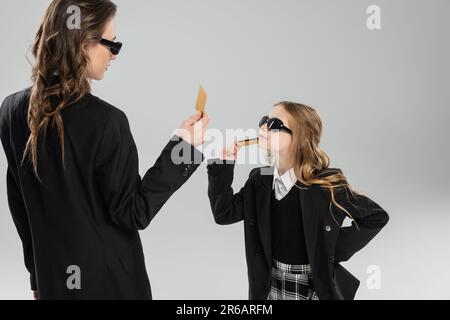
(131, 201)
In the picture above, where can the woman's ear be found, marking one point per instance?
(85, 48)
(85, 51)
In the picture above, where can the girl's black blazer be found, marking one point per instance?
(82, 223)
(327, 243)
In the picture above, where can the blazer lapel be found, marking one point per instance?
(263, 215)
(310, 220)
(263, 203)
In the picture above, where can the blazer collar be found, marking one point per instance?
(265, 178)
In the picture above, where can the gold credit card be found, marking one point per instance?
(201, 100)
(247, 142)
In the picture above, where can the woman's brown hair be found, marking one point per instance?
(60, 69)
(311, 163)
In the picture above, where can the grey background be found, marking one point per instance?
(383, 97)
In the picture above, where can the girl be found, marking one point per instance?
(293, 211)
(74, 189)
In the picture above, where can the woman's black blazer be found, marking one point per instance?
(84, 220)
(327, 244)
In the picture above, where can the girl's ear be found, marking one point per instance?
(292, 146)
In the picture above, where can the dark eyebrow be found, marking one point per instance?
(114, 38)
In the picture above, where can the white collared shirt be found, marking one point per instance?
(284, 183)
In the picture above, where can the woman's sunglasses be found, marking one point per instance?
(274, 124)
(114, 47)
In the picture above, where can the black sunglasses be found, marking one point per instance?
(274, 124)
(114, 47)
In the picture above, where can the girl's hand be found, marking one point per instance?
(35, 295)
(230, 153)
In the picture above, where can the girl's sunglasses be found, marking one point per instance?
(274, 124)
(114, 47)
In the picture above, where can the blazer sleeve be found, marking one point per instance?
(15, 199)
(227, 207)
(133, 202)
(20, 218)
(369, 217)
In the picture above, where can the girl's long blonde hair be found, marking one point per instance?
(311, 163)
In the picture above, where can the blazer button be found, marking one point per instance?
(251, 222)
(327, 228)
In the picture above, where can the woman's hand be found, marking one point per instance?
(193, 129)
(35, 295)
(230, 152)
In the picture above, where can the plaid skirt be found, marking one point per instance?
(291, 282)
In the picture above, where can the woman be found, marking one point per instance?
(73, 185)
(293, 212)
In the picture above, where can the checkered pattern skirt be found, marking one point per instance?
(291, 282)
